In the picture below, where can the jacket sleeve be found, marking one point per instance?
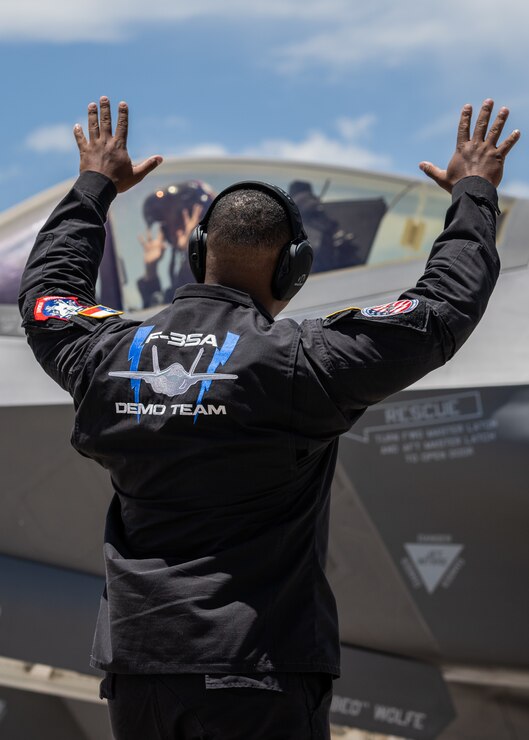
(64, 263)
(362, 356)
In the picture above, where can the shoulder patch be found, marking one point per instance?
(390, 309)
(99, 312)
(65, 307)
(56, 307)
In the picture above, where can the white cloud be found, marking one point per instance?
(335, 33)
(388, 33)
(103, 21)
(205, 150)
(346, 148)
(319, 147)
(55, 138)
(383, 41)
(353, 128)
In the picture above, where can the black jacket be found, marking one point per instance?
(222, 449)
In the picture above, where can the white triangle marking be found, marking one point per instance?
(432, 561)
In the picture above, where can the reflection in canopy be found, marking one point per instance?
(341, 232)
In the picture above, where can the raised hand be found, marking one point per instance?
(153, 247)
(478, 155)
(107, 153)
(191, 220)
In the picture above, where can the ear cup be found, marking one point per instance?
(292, 270)
(197, 253)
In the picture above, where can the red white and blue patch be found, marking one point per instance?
(390, 309)
(56, 307)
(64, 307)
(99, 312)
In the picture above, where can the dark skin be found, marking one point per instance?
(250, 276)
(477, 155)
(107, 153)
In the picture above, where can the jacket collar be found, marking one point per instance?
(221, 293)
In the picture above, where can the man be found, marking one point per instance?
(178, 210)
(217, 620)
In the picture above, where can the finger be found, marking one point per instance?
(79, 136)
(434, 172)
(160, 241)
(463, 130)
(196, 216)
(93, 123)
(122, 127)
(483, 120)
(139, 171)
(105, 123)
(509, 142)
(146, 238)
(497, 126)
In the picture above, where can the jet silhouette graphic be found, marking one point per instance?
(174, 380)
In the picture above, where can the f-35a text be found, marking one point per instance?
(184, 340)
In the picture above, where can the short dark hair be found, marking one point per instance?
(249, 219)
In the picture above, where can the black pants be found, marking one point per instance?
(278, 706)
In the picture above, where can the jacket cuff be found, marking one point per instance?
(476, 186)
(98, 186)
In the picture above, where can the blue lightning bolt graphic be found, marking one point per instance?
(134, 357)
(220, 357)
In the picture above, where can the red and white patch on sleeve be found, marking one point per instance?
(56, 307)
(64, 307)
(390, 309)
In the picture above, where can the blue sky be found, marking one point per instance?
(376, 86)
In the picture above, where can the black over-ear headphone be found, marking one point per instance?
(295, 258)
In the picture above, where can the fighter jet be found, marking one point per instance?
(174, 380)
